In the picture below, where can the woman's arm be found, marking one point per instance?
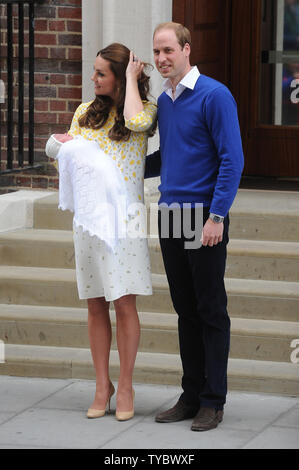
(56, 140)
(133, 102)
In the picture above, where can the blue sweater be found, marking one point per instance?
(201, 157)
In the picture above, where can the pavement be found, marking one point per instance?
(38, 413)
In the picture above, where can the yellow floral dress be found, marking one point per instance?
(100, 272)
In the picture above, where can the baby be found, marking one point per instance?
(54, 143)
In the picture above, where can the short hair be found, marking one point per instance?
(182, 33)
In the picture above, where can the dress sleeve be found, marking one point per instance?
(144, 120)
(75, 129)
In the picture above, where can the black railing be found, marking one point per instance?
(15, 118)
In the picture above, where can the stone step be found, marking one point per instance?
(268, 260)
(47, 215)
(248, 298)
(250, 259)
(255, 214)
(56, 362)
(265, 215)
(40, 248)
(67, 327)
(247, 259)
(43, 323)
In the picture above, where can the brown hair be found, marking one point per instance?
(182, 33)
(98, 111)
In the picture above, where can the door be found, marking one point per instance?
(209, 24)
(265, 57)
(252, 46)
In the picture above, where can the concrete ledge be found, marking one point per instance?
(265, 202)
(16, 209)
(247, 259)
(50, 362)
(253, 339)
(247, 298)
(254, 215)
(47, 215)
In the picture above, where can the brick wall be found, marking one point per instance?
(58, 81)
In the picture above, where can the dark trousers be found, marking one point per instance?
(196, 282)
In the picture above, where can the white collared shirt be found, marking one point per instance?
(188, 81)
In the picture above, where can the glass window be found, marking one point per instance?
(279, 81)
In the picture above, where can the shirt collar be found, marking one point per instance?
(188, 81)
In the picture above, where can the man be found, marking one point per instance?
(200, 161)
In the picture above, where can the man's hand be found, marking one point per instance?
(212, 233)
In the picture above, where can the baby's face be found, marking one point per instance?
(63, 137)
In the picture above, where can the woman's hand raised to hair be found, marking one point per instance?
(135, 67)
(133, 102)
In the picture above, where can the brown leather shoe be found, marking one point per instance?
(178, 412)
(206, 419)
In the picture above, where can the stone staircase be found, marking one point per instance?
(43, 323)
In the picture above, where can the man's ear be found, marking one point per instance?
(187, 49)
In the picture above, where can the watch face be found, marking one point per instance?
(216, 218)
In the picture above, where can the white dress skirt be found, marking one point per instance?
(111, 274)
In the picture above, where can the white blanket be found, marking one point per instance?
(91, 186)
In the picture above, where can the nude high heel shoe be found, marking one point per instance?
(125, 415)
(93, 413)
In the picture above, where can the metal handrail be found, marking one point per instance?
(10, 125)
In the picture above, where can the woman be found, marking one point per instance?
(120, 119)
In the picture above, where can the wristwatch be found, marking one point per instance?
(218, 219)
